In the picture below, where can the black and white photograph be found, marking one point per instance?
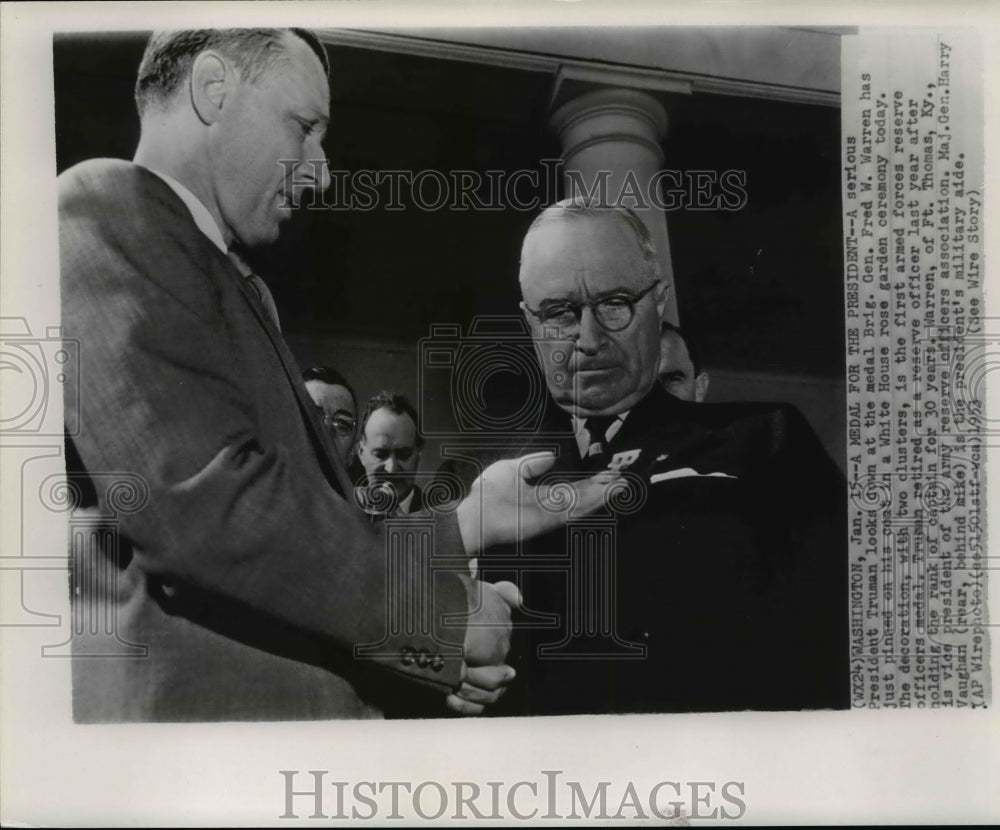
(595, 409)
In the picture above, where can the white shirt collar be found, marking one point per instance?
(404, 505)
(202, 218)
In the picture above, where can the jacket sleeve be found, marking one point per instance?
(163, 396)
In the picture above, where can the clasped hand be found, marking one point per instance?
(504, 506)
(487, 641)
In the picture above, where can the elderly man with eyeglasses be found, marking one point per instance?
(717, 581)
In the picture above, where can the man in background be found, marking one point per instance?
(389, 451)
(717, 581)
(335, 399)
(680, 373)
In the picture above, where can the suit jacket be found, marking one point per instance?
(236, 581)
(718, 582)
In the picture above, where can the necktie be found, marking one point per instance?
(597, 427)
(266, 300)
(258, 287)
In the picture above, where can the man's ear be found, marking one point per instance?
(661, 292)
(211, 79)
(701, 387)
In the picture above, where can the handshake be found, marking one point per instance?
(505, 505)
(487, 641)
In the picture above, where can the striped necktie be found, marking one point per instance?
(259, 288)
(266, 300)
(597, 428)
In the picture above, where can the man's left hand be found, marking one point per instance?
(481, 686)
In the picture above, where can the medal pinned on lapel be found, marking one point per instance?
(621, 460)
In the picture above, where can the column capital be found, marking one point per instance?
(612, 114)
(610, 140)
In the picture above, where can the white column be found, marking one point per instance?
(615, 133)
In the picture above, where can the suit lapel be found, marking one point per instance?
(161, 192)
(333, 464)
(654, 413)
(556, 433)
(667, 430)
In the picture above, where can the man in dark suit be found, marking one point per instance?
(717, 580)
(389, 451)
(237, 580)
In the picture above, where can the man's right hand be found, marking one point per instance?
(505, 505)
(487, 633)
(487, 641)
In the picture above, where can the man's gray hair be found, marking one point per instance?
(579, 207)
(169, 55)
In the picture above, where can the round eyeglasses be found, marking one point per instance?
(614, 312)
(340, 424)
